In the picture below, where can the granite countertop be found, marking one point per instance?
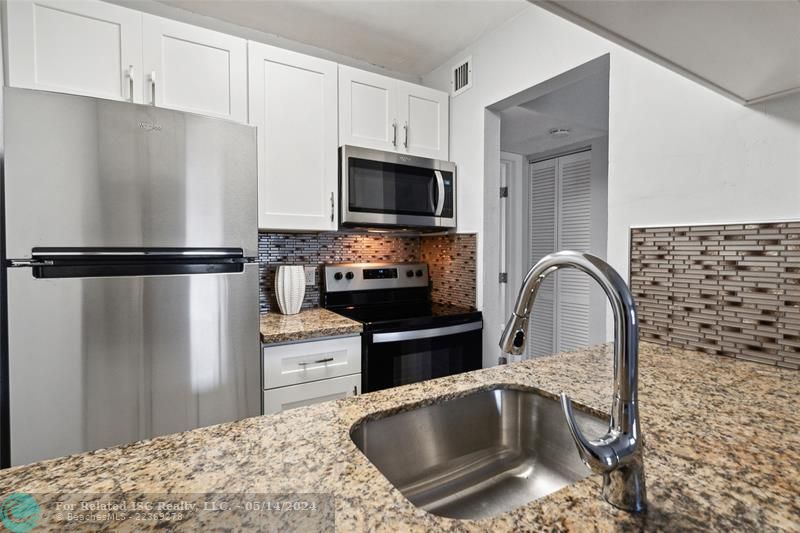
(722, 452)
(307, 324)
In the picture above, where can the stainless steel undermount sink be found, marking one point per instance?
(478, 455)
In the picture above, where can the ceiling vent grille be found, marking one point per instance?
(461, 78)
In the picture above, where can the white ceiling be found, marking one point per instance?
(580, 106)
(746, 49)
(527, 132)
(412, 37)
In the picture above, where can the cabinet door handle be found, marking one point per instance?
(394, 134)
(130, 82)
(405, 130)
(153, 87)
(332, 207)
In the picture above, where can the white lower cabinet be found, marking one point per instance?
(305, 373)
(284, 398)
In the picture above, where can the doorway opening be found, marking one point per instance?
(549, 148)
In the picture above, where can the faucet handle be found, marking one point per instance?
(599, 455)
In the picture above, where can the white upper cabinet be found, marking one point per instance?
(387, 114)
(423, 114)
(81, 47)
(93, 48)
(293, 103)
(194, 69)
(367, 109)
(304, 107)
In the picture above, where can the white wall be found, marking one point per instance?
(678, 152)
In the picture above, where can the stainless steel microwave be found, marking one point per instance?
(390, 190)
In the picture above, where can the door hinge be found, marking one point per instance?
(503, 278)
(503, 192)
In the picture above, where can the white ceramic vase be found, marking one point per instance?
(290, 287)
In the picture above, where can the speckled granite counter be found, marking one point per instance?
(306, 325)
(722, 452)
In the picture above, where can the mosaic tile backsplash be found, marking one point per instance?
(730, 290)
(452, 262)
(448, 259)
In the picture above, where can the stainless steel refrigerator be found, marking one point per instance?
(130, 284)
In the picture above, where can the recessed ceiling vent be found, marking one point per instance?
(461, 78)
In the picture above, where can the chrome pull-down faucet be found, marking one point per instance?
(618, 454)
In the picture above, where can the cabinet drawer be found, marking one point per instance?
(284, 398)
(290, 364)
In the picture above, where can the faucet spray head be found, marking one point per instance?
(513, 339)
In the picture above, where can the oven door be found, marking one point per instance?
(403, 357)
(387, 189)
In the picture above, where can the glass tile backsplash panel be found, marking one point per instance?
(451, 259)
(730, 290)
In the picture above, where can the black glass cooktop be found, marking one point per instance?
(407, 314)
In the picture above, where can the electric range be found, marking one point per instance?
(407, 338)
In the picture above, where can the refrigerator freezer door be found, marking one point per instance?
(83, 172)
(96, 362)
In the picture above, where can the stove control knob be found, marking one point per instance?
(419, 273)
(337, 276)
(349, 275)
(410, 273)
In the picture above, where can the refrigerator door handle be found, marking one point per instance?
(136, 252)
(27, 263)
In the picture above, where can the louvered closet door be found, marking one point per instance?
(542, 236)
(574, 233)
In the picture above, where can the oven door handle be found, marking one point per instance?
(440, 190)
(399, 336)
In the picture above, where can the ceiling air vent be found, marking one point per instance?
(461, 79)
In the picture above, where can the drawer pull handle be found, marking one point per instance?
(318, 361)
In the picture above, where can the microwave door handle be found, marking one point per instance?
(440, 197)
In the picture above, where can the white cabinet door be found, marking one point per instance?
(284, 398)
(386, 114)
(194, 69)
(367, 109)
(423, 117)
(293, 102)
(80, 47)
